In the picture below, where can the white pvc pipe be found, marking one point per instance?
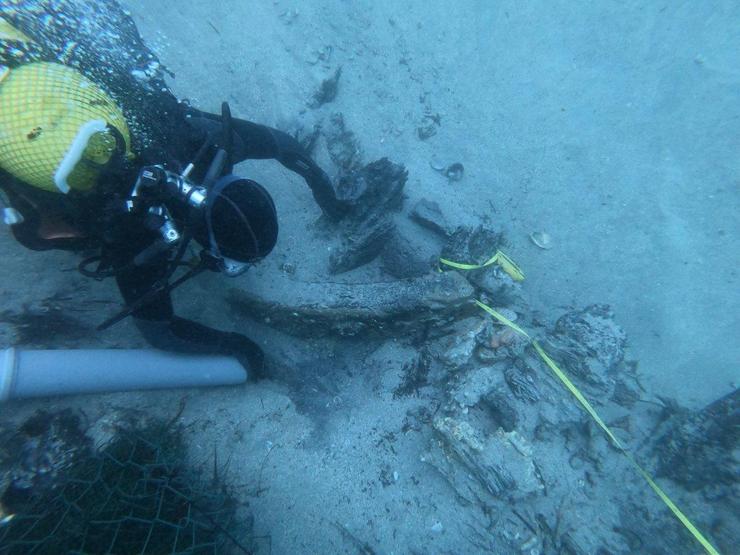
(25, 374)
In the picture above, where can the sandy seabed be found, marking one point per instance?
(612, 127)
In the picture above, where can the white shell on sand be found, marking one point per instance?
(437, 165)
(541, 239)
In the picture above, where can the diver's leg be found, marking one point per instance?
(163, 330)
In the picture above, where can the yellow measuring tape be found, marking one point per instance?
(508, 265)
(590, 410)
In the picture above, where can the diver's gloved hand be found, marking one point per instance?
(246, 351)
(239, 346)
(320, 184)
(185, 336)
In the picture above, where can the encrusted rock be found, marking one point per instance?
(400, 258)
(372, 189)
(327, 92)
(522, 381)
(481, 466)
(476, 245)
(487, 355)
(456, 349)
(478, 383)
(627, 390)
(591, 345)
(498, 284)
(699, 449)
(472, 245)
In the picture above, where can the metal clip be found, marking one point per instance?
(11, 216)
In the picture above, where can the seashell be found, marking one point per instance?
(541, 239)
(436, 165)
(454, 172)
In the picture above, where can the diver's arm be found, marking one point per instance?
(259, 142)
(294, 157)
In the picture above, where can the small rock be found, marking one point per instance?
(288, 267)
(400, 259)
(327, 91)
(507, 313)
(487, 355)
(427, 214)
(426, 130)
(504, 338)
(594, 328)
(342, 144)
(501, 408)
(437, 527)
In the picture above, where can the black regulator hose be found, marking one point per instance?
(227, 128)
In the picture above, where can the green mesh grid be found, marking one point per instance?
(134, 496)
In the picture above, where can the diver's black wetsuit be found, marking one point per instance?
(170, 133)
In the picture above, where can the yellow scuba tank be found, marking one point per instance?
(55, 127)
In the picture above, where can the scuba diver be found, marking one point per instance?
(97, 153)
